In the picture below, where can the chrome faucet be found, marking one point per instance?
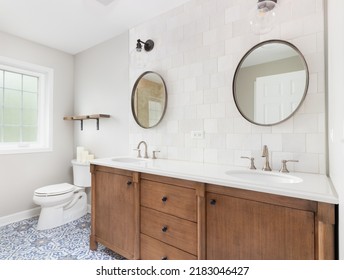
(265, 154)
(139, 150)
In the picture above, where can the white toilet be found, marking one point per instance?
(63, 203)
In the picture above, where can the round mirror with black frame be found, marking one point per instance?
(270, 82)
(149, 99)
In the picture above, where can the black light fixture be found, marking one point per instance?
(148, 45)
(138, 58)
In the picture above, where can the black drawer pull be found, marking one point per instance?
(164, 258)
(129, 183)
(164, 199)
(212, 201)
(164, 229)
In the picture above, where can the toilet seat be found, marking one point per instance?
(54, 190)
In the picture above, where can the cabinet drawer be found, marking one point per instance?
(174, 231)
(152, 249)
(177, 201)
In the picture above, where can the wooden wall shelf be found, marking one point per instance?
(86, 117)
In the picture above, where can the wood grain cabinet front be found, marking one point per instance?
(170, 229)
(171, 214)
(115, 211)
(153, 249)
(170, 199)
(250, 225)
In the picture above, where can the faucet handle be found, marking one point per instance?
(284, 168)
(138, 152)
(252, 166)
(154, 154)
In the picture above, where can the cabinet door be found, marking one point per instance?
(245, 229)
(115, 212)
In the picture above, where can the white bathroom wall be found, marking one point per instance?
(101, 86)
(21, 174)
(198, 47)
(336, 105)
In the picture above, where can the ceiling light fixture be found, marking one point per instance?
(263, 16)
(148, 45)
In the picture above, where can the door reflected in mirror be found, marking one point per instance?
(270, 82)
(149, 99)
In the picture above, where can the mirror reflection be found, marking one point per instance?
(149, 99)
(270, 82)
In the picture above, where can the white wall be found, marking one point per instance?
(336, 105)
(21, 174)
(198, 47)
(101, 86)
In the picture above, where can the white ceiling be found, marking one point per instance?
(75, 25)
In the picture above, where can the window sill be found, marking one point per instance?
(23, 150)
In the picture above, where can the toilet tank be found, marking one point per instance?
(81, 174)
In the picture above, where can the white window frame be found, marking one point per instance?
(44, 141)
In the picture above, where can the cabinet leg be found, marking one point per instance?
(93, 243)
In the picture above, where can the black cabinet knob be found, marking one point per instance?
(164, 258)
(164, 229)
(164, 199)
(129, 183)
(212, 201)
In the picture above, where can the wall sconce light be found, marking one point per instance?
(138, 58)
(263, 16)
(148, 45)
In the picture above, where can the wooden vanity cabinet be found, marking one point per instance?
(250, 225)
(115, 210)
(145, 216)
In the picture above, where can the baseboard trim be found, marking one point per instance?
(19, 216)
(16, 217)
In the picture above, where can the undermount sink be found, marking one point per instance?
(257, 176)
(129, 159)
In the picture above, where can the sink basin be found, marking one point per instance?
(257, 176)
(129, 159)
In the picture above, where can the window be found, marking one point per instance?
(25, 107)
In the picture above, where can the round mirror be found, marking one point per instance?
(149, 99)
(270, 82)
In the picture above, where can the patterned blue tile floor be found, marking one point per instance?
(21, 241)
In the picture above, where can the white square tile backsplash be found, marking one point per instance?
(198, 47)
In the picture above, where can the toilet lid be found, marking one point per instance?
(55, 189)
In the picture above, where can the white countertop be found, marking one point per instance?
(314, 187)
